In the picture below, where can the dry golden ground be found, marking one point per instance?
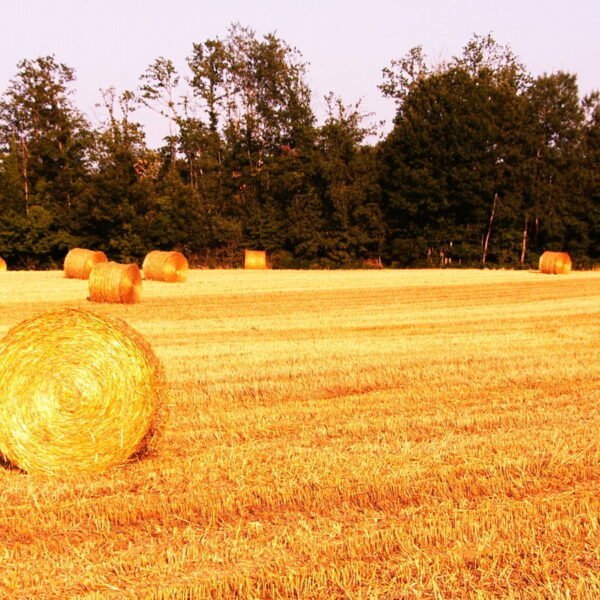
(372, 434)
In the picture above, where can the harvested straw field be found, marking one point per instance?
(366, 434)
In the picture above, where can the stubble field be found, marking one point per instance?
(353, 434)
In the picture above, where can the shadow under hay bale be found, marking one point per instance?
(78, 393)
(2, 264)
(115, 283)
(171, 267)
(555, 263)
(255, 259)
(79, 262)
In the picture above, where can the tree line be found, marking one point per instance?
(485, 164)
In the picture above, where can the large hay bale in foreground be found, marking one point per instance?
(165, 266)
(115, 283)
(255, 259)
(79, 262)
(555, 263)
(2, 264)
(78, 392)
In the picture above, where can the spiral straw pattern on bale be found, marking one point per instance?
(165, 266)
(255, 259)
(115, 283)
(555, 263)
(79, 262)
(2, 264)
(78, 393)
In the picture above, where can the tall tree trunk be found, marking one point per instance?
(524, 242)
(25, 165)
(486, 241)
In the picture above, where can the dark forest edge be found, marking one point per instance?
(486, 165)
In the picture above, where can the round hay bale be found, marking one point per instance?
(255, 259)
(79, 262)
(555, 263)
(2, 264)
(78, 393)
(165, 266)
(116, 283)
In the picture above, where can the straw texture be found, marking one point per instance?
(79, 262)
(165, 266)
(255, 259)
(555, 263)
(78, 393)
(2, 264)
(116, 283)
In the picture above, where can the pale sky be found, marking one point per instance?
(346, 43)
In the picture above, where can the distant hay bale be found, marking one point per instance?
(373, 263)
(79, 262)
(2, 264)
(255, 259)
(165, 266)
(555, 263)
(78, 393)
(115, 283)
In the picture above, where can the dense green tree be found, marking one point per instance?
(591, 173)
(44, 140)
(210, 66)
(118, 206)
(307, 227)
(551, 167)
(45, 132)
(479, 157)
(347, 180)
(260, 130)
(446, 165)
